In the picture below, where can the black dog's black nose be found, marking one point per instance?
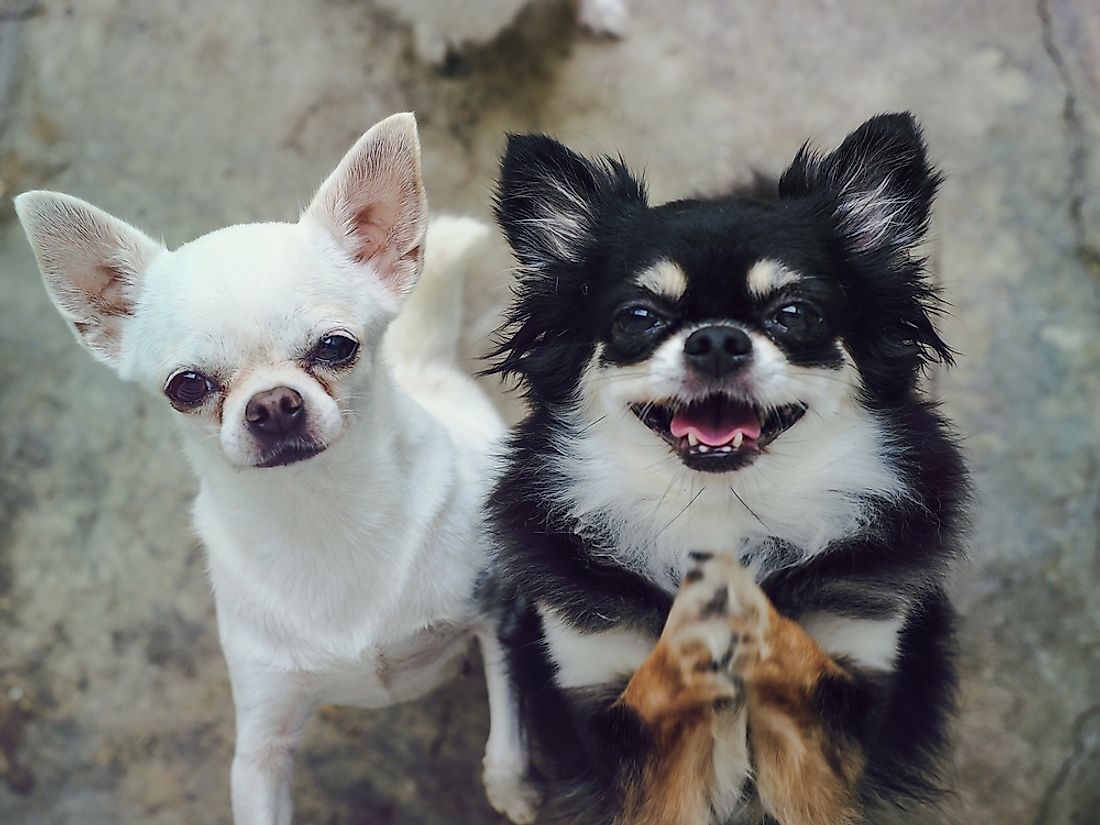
(717, 350)
(275, 413)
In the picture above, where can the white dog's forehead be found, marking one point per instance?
(255, 292)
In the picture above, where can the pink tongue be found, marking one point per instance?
(716, 421)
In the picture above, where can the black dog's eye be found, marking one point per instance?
(188, 389)
(334, 350)
(637, 320)
(798, 321)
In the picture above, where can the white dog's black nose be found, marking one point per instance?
(717, 350)
(275, 413)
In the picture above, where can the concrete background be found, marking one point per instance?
(114, 705)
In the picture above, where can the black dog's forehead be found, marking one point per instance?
(717, 242)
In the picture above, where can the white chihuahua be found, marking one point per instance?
(343, 461)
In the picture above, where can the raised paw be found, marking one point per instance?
(703, 651)
(718, 592)
(715, 633)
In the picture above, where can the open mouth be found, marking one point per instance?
(290, 452)
(718, 434)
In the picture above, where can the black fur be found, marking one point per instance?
(871, 288)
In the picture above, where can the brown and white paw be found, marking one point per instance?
(719, 619)
(510, 793)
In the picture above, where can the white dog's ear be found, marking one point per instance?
(374, 203)
(92, 264)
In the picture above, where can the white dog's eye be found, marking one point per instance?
(336, 349)
(188, 389)
(637, 319)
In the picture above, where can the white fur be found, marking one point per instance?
(870, 643)
(586, 659)
(348, 577)
(636, 501)
(871, 217)
(732, 763)
(565, 221)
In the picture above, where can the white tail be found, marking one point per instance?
(430, 324)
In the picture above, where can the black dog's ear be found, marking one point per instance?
(879, 183)
(551, 202)
(878, 187)
(556, 208)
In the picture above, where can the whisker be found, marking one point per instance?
(746, 506)
(673, 519)
(590, 425)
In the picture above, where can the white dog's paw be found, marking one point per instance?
(511, 794)
(604, 17)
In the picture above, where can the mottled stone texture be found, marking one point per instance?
(114, 705)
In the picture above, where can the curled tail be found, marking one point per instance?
(430, 324)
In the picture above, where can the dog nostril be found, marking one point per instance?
(737, 342)
(256, 413)
(728, 339)
(717, 350)
(291, 403)
(275, 412)
(697, 344)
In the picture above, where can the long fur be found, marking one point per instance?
(843, 528)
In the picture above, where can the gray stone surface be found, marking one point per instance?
(114, 705)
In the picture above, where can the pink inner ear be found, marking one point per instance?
(412, 256)
(110, 299)
(373, 203)
(368, 229)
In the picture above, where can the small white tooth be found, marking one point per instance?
(737, 439)
(726, 449)
(703, 448)
(693, 440)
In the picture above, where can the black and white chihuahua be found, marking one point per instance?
(730, 513)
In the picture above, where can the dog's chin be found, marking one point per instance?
(717, 433)
(291, 452)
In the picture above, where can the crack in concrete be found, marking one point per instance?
(1077, 727)
(1075, 138)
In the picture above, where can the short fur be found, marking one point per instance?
(346, 555)
(811, 682)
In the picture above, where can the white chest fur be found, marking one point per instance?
(818, 483)
(360, 563)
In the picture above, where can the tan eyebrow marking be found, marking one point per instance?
(665, 279)
(767, 276)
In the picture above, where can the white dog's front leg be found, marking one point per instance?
(272, 709)
(506, 757)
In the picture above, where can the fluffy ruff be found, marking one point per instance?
(729, 516)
